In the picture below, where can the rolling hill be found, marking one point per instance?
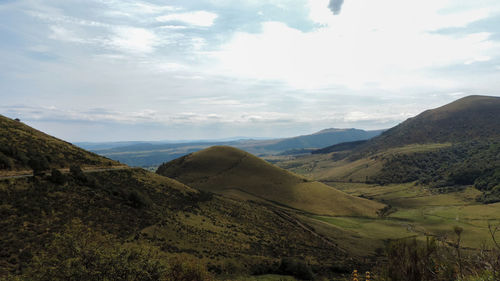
(136, 209)
(233, 172)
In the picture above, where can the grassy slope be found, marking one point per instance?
(469, 118)
(226, 170)
(472, 117)
(142, 208)
(20, 144)
(416, 210)
(147, 209)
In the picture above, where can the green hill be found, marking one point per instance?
(24, 148)
(469, 118)
(131, 209)
(236, 173)
(446, 148)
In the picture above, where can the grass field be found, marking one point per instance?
(415, 212)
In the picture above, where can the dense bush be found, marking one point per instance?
(138, 199)
(57, 177)
(80, 253)
(473, 163)
(297, 268)
(39, 164)
(5, 162)
(435, 260)
(77, 173)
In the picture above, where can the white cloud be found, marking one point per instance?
(134, 40)
(196, 18)
(63, 34)
(149, 8)
(365, 46)
(173, 27)
(478, 59)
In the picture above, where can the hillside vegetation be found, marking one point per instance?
(236, 173)
(468, 163)
(130, 222)
(24, 148)
(150, 211)
(466, 119)
(446, 149)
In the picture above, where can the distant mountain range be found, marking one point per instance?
(148, 154)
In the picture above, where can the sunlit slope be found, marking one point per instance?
(231, 171)
(22, 147)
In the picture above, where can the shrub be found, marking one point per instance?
(297, 268)
(5, 162)
(411, 261)
(138, 200)
(57, 177)
(186, 269)
(39, 164)
(77, 173)
(80, 253)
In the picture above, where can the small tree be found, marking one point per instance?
(39, 164)
(57, 177)
(77, 173)
(5, 162)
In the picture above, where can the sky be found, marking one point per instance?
(117, 70)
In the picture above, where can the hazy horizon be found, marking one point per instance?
(108, 70)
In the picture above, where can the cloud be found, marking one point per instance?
(63, 34)
(335, 6)
(196, 18)
(134, 40)
(253, 67)
(361, 49)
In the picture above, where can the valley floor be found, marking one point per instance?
(414, 212)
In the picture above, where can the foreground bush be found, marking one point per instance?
(297, 268)
(434, 260)
(81, 253)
